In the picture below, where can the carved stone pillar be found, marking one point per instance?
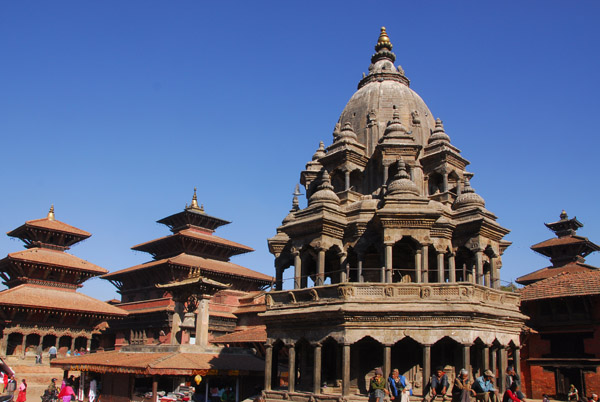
(487, 279)
(387, 360)
(359, 273)
(24, 345)
(494, 270)
(346, 370)
(451, 268)
(440, 263)
(343, 267)
(479, 266)
(88, 345)
(493, 358)
(486, 357)
(418, 264)
(502, 365)
(202, 318)
(425, 261)
(517, 359)
(426, 365)
(320, 268)
(278, 277)
(317, 369)
(268, 366)
(388, 264)
(176, 321)
(72, 345)
(466, 357)
(297, 269)
(292, 368)
(4, 344)
(347, 180)
(445, 181)
(386, 168)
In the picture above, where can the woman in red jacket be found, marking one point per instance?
(511, 394)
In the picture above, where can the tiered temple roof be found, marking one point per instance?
(567, 251)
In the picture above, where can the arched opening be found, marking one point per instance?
(331, 363)
(304, 365)
(338, 181)
(64, 344)
(352, 259)
(372, 264)
(465, 261)
(48, 341)
(365, 356)
(403, 260)
(14, 344)
(32, 342)
(407, 357)
(435, 183)
(356, 181)
(333, 268)
(80, 345)
(477, 358)
(453, 182)
(309, 268)
(280, 376)
(446, 353)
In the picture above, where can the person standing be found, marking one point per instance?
(92, 392)
(22, 396)
(11, 387)
(52, 352)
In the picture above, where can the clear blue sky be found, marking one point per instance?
(114, 110)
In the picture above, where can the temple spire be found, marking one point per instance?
(51, 213)
(194, 204)
(383, 41)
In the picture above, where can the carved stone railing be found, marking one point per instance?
(392, 292)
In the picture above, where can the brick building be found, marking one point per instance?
(562, 346)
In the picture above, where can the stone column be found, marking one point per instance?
(479, 266)
(359, 270)
(486, 357)
(502, 365)
(445, 181)
(493, 358)
(440, 263)
(387, 360)
(176, 321)
(347, 180)
(292, 368)
(278, 277)
(320, 268)
(451, 268)
(346, 370)
(425, 261)
(297, 269)
(487, 279)
(494, 269)
(24, 345)
(466, 357)
(517, 359)
(388, 264)
(317, 369)
(72, 345)
(4, 344)
(202, 318)
(426, 366)
(268, 366)
(343, 267)
(386, 168)
(88, 345)
(418, 264)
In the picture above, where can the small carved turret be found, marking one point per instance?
(438, 132)
(324, 193)
(468, 197)
(402, 184)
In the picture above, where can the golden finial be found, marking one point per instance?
(51, 213)
(383, 41)
(202, 207)
(194, 200)
(563, 215)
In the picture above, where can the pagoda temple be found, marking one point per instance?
(154, 317)
(394, 262)
(562, 343)
(41, 307)
(192, 312)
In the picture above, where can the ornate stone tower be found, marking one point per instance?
(395, 260)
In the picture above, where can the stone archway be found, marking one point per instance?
(14, 344)
(366, 355)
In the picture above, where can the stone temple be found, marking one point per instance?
(395, 260)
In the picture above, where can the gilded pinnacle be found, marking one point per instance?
(194, 201)
(51, 213)
(383, 41)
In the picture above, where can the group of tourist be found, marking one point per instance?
(483, 389)
(8, 385)
(66, 392)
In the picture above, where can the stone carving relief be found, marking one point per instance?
(425, 292)
(314, 295)
(416, 121)
(389, 291)
(346, 292)
(292, 297)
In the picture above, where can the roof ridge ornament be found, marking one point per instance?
(383, 41)
(51, 213)
(295, 202)
(320, 152)
(401, 183)
(194, 205)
